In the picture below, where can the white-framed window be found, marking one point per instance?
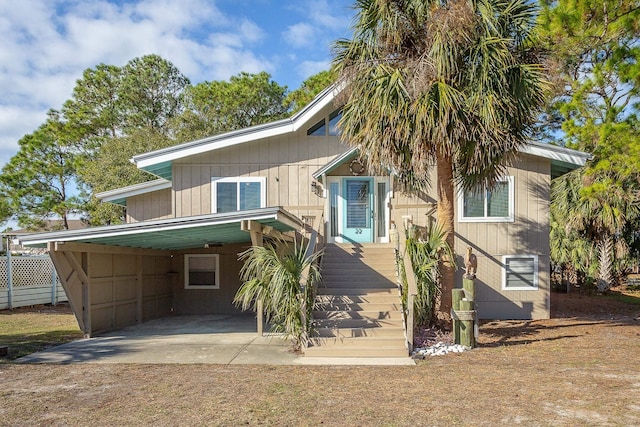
(238, 194)
(201, 271)
(520, 272)
(494, 205)
(321, 128)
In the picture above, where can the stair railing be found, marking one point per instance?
(308, 287)
(410, 291)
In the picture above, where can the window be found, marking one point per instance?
(201, 271)
(237, 194)
(520, 272)
(319, 129)
(333, 122)
(495, 205)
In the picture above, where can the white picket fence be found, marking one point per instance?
(29, 280)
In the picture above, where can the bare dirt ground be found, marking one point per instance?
(580, 368)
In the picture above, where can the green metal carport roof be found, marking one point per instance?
(174, 233)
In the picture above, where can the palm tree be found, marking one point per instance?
(600, 209)
(281, 275)
(424, 252)
(451, 83)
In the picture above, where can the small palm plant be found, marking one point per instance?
(282, 276)
(425, 255)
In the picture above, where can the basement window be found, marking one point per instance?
(201, 271)
(520, 272)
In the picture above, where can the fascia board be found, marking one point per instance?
(223, 141)
(552, 152)
(321, 101)
(159, 225)
(133, 190)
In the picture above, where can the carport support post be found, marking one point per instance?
(255, 231)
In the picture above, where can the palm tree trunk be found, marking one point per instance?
(445, 189)
(606, 251)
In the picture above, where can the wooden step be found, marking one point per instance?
(353, 306)
(379, 298)
(390, 331)
(359, 263)
(322, 290)
(358, 315)
(351, 342)
(324, 351)
(357, 270)
(357, 323)
(358, 285)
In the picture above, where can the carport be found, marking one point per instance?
(122, 275)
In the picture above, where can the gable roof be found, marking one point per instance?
(159, 162)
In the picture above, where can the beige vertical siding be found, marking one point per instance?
(149, 206)
(211, 301)
(287, 162)
(121, 283)
(528, 234)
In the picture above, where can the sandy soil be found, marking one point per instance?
(579, 368)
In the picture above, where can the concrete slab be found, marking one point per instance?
(215, 339)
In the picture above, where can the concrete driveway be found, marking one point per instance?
(218, 339)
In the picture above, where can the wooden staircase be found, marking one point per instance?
(358, 310)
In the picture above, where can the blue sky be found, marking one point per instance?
(46, 44)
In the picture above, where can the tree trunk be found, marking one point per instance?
(606, 251)
(445, 190)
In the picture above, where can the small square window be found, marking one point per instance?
(520, 272)
(201, 271)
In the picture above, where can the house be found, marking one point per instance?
(177, 252)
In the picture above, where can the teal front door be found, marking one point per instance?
(357, 210)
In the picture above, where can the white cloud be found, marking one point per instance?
(308, 68)
(47, 44)
(300, 35)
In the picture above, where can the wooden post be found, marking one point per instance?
(260, 316)
(456, 297)
(466, 323)
(469, 286)
(54, 286)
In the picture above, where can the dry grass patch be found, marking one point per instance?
(27, 330)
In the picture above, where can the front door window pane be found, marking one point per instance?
(358, 204)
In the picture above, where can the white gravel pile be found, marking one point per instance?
(439, 349)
